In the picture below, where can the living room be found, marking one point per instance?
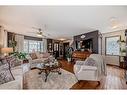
(46, 47)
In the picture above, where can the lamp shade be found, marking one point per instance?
(7, 50)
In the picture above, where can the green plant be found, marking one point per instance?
(123, 50)
(20, 55)
(69, 52)
(68, 55)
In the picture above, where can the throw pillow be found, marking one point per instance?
(46, 55)
(14, 61)
(90, 62)
(33, 56)
(38, 55)
(5, 72)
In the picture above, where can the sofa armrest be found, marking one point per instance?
(79, 62)
(84, 68)
(16, 84)
(35, 61)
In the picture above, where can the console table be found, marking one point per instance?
(80, 55)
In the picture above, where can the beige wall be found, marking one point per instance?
(3, 37)
(111, 59)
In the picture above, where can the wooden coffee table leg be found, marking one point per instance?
(40, 72)
(59, 71)
(46, 74)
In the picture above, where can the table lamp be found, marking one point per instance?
(6, 50)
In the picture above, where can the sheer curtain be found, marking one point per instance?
(44, 45)
(5, 39)
(20, 43)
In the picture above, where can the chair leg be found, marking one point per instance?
(79, 81)
(98, 82)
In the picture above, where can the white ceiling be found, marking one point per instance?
(62, 21)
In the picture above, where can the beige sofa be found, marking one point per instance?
(35, 58)
(17, 83)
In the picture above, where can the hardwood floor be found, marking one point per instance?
(114, 79)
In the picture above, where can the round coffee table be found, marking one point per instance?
(47, 68)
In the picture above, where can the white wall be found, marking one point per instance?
(114, 60)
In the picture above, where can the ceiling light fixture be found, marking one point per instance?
(83, 36)
(62, 39)
(39, 35)
(114, 22)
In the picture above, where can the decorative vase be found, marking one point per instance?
(69, 59)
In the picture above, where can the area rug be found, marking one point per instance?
(55, 81)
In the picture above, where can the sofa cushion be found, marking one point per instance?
(38, 55)
(5, 72)
(13, 61)
(90, 62)
(33, 56)
(17, 83)
(1, 63)
(46, 55)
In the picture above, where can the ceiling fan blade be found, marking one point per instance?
(35, 28)
(41, 31)
(31, 32)
(44, 36)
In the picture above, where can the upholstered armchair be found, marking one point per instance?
(91, 71)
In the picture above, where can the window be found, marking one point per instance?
(32, 45)
(112, 45)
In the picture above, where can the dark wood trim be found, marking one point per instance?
(32, 38)
(113, 65)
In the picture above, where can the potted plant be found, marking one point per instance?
(69, 54)
(68, 57)
(20, 55)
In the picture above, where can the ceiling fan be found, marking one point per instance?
(40, 32)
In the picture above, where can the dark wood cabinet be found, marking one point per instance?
(126, 56)
(50, 45)
(55, 47)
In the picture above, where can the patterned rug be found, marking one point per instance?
(33, 80)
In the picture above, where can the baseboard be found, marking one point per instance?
(113, 65)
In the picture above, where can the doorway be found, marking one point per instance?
(65, 48)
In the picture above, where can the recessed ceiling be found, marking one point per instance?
(61, 21)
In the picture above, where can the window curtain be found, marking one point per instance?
(5, 39)
(20, 43)
(44, 45)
